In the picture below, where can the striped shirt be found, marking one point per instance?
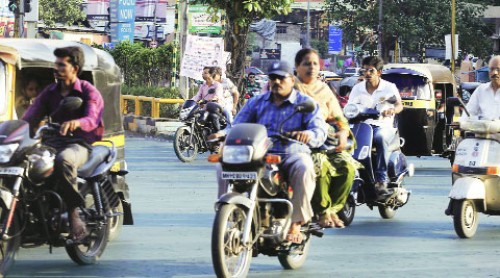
(262, 110)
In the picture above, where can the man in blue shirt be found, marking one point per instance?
(270, 109)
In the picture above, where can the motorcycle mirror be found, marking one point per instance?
(211, 91)
(392, 100)
(307, 106)
(68, 104)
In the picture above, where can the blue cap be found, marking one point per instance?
(281, 68)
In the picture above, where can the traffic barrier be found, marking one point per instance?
(155, 104)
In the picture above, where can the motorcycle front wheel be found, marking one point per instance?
(90, 249)
(465, 218)
(386, 212)
(347, 212)
(297, 260)
(229, 256)
(185, 145)
(8, 248)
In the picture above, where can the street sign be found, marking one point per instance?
(199, 20)
(270, 54)
(122, 20)
(334, 39)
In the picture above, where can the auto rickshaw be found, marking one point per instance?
(22, 60)
(423, 121)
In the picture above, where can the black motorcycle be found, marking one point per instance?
(191, 139)
(32, 213)
(255, 215)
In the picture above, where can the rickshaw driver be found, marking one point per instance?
(86, 124)
(485, 101)
(375, 89)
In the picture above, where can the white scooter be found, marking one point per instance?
(475, 174)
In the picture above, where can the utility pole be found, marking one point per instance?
(380, 27)
(452, 59)
(183, 22)
(308, 25)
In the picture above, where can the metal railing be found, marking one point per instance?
(155, 104)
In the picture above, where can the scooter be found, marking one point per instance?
(363, 188)
(475, 174)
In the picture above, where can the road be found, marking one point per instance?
(173, 211)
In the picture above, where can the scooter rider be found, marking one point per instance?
(485, 101)
(86, 124)
(369, 92)
(270, 109)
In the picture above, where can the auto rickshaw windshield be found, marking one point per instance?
(411, 86)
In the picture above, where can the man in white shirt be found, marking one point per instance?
(485, 101)
(369, 93)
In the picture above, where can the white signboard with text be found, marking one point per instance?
(199, 53)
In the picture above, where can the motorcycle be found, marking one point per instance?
(32, 213)
(475, 174)
(363, 188)
(191, 139)
(255, 215)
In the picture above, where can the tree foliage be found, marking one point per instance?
(143, 66)
(61, 11)
(414, 22)
(239, 15)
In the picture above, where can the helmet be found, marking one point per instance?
(188, 109)
(41, 165)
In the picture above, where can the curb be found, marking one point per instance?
(155, 128)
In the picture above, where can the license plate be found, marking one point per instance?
(11, 171)
(239, 175)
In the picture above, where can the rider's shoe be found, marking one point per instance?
(382, 191)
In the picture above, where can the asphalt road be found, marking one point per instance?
(173, 211)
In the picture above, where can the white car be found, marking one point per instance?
(351, 71)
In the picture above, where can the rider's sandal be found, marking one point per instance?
(325, 221)
(337, 223)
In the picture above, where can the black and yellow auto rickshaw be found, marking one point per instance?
(422, 123)
(23, 60)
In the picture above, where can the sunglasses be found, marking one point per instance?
(273, 77)
(363, 71)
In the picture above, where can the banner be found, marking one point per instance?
(334, 39)
(151, 11)
(199, 53)
(199, 21)
(122, 20)
(447, 39)
(313, 4)
(96, 10)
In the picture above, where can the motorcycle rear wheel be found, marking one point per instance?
(465, 218)
(295, 261)
(386, 212)
(184, 150)
(8, 248)
(229, 257)
(346, 214)
(90, 250)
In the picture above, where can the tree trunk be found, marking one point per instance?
(236, 43)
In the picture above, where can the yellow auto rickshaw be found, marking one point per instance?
(25, 60)
(423, 121)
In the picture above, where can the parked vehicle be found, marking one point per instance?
(475, 174)
(32, 213)
(329, 76)
(424, 119)
(363, 188)
(191, 138)
(255, 215)
(351, 71)
(24, 59)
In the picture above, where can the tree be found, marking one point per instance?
(61, 11)
(239, 15)
(414, 22)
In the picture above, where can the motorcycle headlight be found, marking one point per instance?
(6, 152)
(237, 154)
(41, 165)
(351, 111)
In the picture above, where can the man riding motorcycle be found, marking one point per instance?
(211, 91)
(270, 109)
(85, 125)
(369, 93)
